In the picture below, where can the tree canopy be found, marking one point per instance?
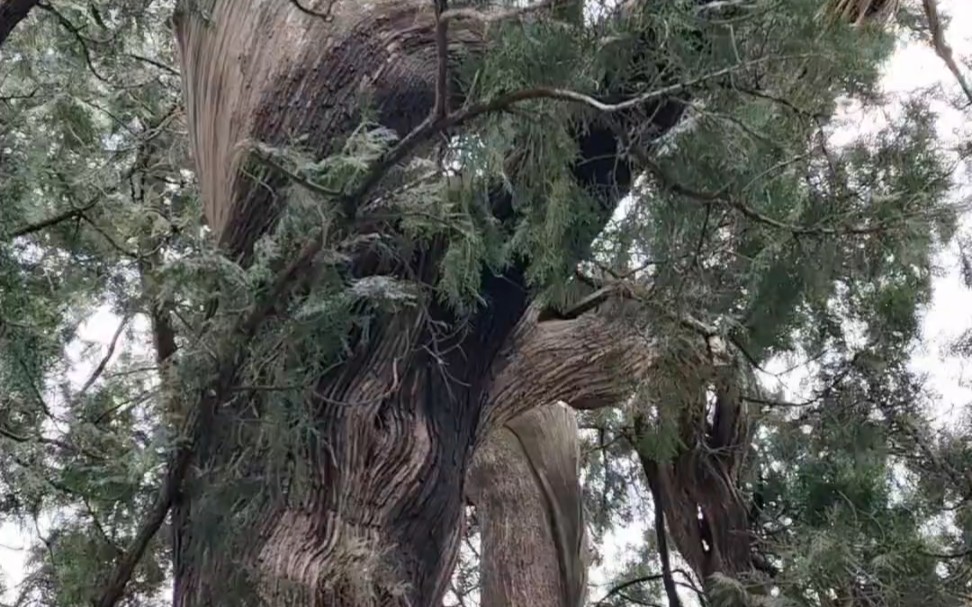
(204, 244)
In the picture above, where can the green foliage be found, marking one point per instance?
(747, 220)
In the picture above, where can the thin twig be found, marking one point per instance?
(441, 108)
(622, 586)
(106, 358)
(431, 126)
(723, 197)
(51, 442)
(82, 41)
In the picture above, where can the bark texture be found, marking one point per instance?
(706, 513)
(524, 482)
(12, 12)
(395, 426)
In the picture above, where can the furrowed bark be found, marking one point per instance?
(378, 520)
(524, 482)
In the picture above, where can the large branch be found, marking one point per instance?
(588, 362)
(13, 12)
(698, 488)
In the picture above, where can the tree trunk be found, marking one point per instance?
(524, 482)
(378, 517)
(707, 515)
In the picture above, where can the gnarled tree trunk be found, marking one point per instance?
(395, 426)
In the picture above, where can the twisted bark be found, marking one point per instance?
(394, 427)
(377, 519)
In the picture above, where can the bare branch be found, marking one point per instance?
(106, 358)
(51, 221)
(942, 49)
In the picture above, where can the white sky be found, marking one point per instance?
(913, 67)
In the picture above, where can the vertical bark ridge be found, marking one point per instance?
(524, 482)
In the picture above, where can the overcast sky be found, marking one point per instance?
(913, 67)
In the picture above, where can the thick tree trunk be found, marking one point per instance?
(524, 482)
(378, 517)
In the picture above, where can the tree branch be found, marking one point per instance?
(82, 41)
(662, 536)
(68, 215)
(942, 49)
(588, 362)
(622, 586)
(106, 358)
(432, 125)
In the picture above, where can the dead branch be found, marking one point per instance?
(942, 49)
(100, 368)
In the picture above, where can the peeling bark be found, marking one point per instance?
(524, 482)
